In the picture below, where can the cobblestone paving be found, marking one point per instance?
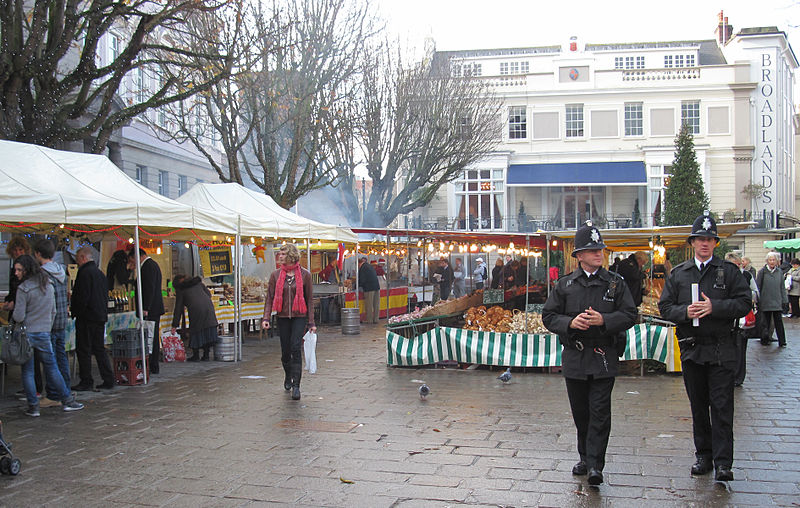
(202, 435)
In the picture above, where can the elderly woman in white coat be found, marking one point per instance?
(774, 300)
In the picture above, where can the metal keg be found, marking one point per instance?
(224, 349)
(351, 322)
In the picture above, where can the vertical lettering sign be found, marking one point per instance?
(765, 170)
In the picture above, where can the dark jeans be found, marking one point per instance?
(710, 390)
(58, 340)
(590, 401)
(156, 354)
(291, 331)
(794, 303)
(775, 316)
(90, 340)
(741, 364)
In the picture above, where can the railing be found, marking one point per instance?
(534, 223)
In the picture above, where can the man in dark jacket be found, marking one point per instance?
(445, 278)
(631, 270)
(90, 310)
(368, 282)
(590, 309)
(709, 356)
(152, 300)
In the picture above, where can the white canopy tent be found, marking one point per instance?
(260, 214)
(41, 187)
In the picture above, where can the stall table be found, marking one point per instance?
(645, 342)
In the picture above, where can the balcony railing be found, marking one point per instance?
(534, 223)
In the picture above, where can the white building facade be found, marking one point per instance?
(590, 129)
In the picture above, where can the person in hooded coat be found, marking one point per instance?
(192, 294)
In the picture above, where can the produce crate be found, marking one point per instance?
(127, 343)
(128, 371)
(410, 329)
(455, 306)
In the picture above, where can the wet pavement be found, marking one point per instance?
(202, 434)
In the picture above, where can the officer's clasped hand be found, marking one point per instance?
(587, 318)
(699, 309)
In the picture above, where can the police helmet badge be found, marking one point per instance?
(705, 226)
(587, 238)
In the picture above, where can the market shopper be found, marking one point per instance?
(289, 294)
(631, 270)
(774, 300)
(590, 309)
(459, 279)
(480, 274)
(368, 282)
(35, 307)
(444, 275)
(742, 334)
(44, 251)
(90, 310)
(193, 295)
(152, 300)
(497, 274)
(794, 290)
(747, 266)
(707, 343)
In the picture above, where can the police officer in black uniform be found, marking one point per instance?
(590, 309)
(707, 343)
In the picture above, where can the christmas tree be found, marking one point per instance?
(685, 198)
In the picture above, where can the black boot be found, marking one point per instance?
(287, 382)
(195, 355)
(205, 353)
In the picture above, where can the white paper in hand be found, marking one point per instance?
(695, 299)
(310, 351)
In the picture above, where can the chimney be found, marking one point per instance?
(724, 30)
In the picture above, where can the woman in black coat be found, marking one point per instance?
(195, 296)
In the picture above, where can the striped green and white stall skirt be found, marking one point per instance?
(645, 341)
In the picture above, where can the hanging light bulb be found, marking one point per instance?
(451, 247)
(555, 243)
(430, 247)
(130, 240)
(419, 243)
(441, 245)
(186, 245)
(158, 250)
(252, 240)
(510, 245)
(61, 226)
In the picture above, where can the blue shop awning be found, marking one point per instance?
(578, 173)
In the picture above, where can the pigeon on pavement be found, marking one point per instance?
(424, 390)
(505, 376)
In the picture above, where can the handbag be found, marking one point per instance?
(310, 350)
(16, 349)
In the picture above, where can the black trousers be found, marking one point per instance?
(776, 317)
(590, 401)
(156, 354)
(794, 304)
(90, 340)
(291, 331)
(710, 390)
(741, 362)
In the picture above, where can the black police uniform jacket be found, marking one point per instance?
(724, 284)
(606, 293)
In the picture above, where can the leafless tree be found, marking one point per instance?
(304, 79)
(417, 128)
(54, 85)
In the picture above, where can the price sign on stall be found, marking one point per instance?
(492, 296)
(216, 262)
(534, 307)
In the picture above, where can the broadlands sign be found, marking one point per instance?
(767, 155)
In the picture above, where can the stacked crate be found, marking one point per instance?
(126, 348)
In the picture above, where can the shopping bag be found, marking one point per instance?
(16, 349)
(747, 322)
(172, 348)
(310, 350)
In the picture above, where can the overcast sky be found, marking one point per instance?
(477, 24)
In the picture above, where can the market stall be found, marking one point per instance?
(85, 198)
(496, 334)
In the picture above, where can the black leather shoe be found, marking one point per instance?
(724, 474)
(287, 383)
(296, 393)
(105, 386)
(595, 477)
(579, 469)
(82, 388)
(193, 358)
(702, 466)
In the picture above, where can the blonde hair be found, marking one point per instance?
(733, 257)
(290, 252)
